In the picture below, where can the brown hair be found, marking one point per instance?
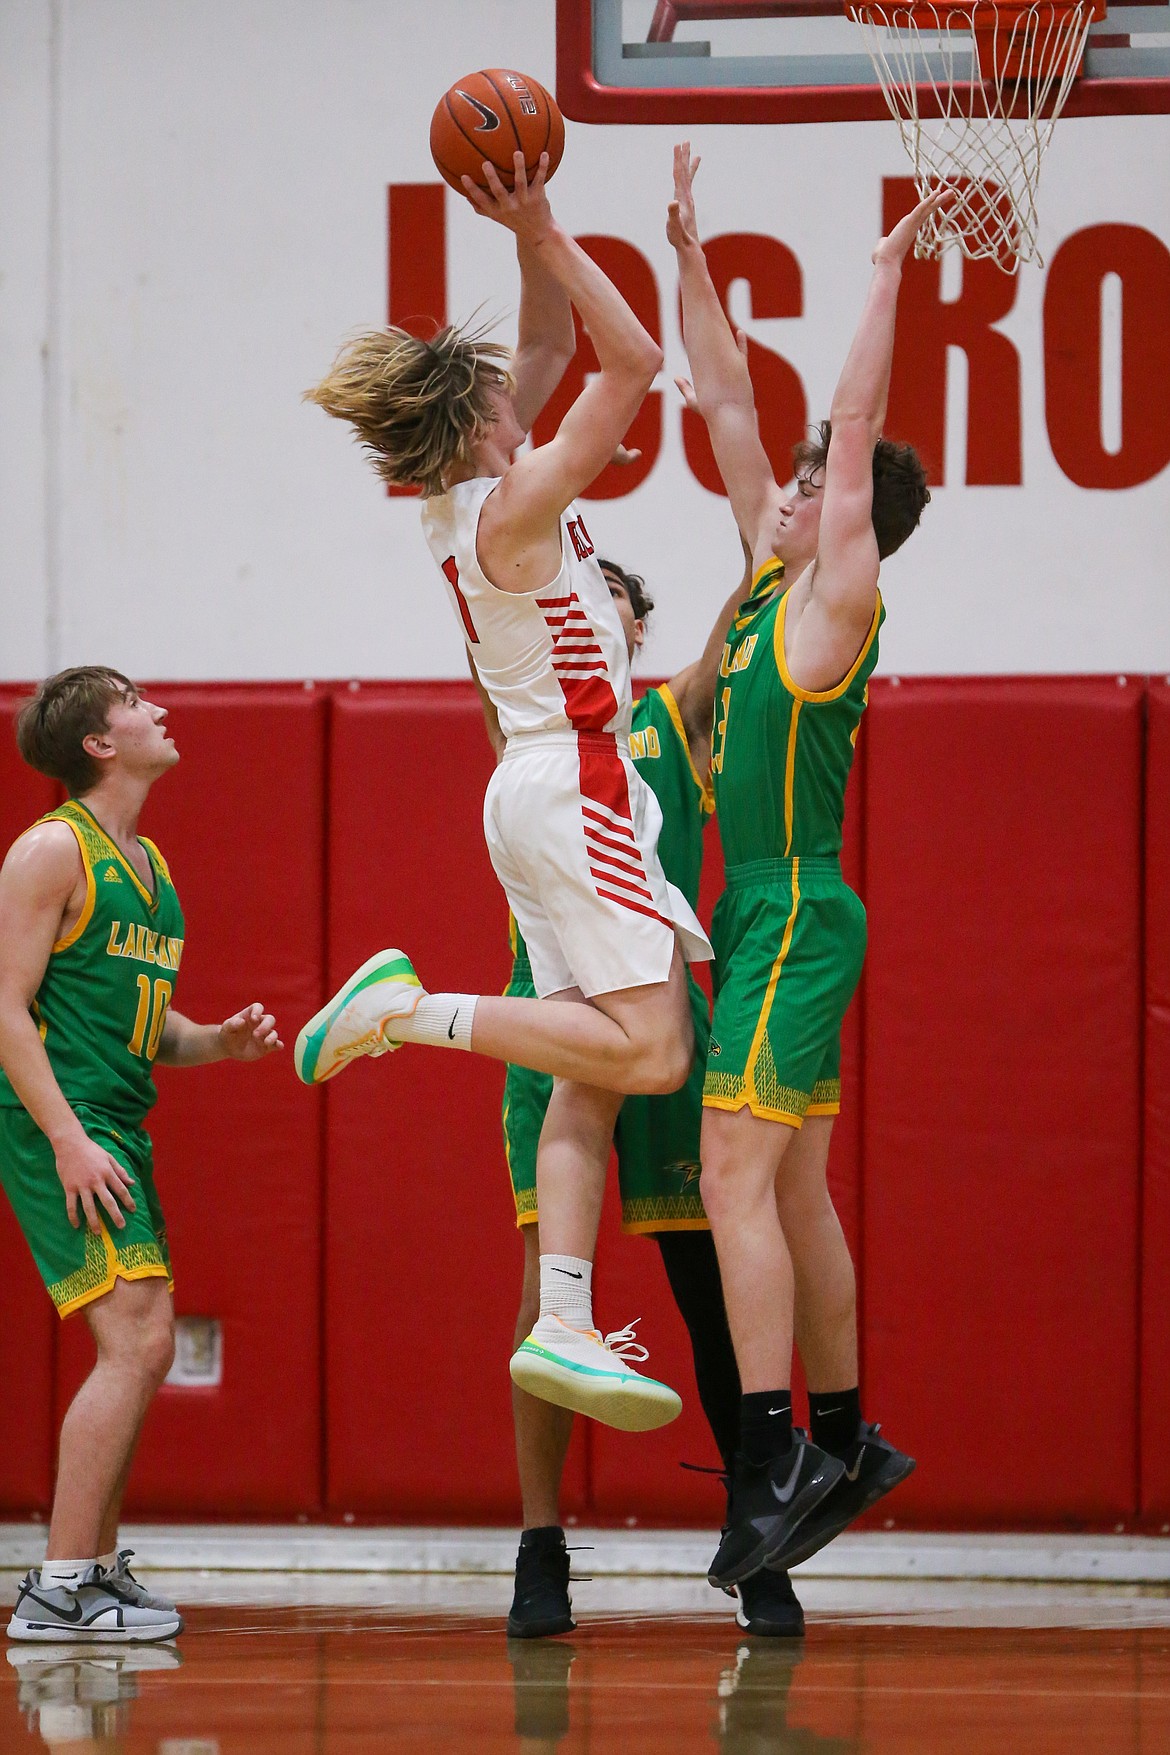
(52, 725)
(900, 492)
(634, 586)
(416, 406)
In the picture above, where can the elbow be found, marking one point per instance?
(649, 360)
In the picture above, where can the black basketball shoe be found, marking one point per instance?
(769, 1502)
(768, 1606)
(871, 1468)
(541, 1604)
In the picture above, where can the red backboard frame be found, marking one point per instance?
(584, 99)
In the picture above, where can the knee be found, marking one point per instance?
(156, 1348)
(664, 1062)
(717, 1185)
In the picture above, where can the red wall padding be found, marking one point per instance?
(1155, 1416)
(27, 1322)
(986, 1165)
(422, 1258)
(237, 1148)
(1002, 1094)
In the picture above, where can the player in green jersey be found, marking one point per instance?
(91, 941)
(789, 934)
(657, 1143)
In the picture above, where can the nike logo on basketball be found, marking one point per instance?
(490, 120)
(784, 1494)
(569, 1273)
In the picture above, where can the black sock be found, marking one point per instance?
(765, 1425)
(692, 1267)
(834, 1415)
(545, 1535)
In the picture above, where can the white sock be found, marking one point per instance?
(566, 1289)
(63, 1574)
(107, 1562)
(441, 1019)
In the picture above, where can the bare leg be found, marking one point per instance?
(133, 1326)
(542, 1430)
(571, 1160)
(639, 1039)
(826, 1287)
(742, 1156)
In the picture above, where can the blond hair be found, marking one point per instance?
(416, 406)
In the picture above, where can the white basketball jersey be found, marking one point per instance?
(550, 660)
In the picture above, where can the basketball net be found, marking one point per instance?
(976, 90)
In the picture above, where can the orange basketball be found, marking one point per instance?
(490, 115)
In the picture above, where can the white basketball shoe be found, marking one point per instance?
(351, 1024)
(576, 1368)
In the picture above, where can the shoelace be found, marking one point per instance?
(354, 1050)
(624, 1344)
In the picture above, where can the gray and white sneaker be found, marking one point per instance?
(99, 1609)
(132, 1589)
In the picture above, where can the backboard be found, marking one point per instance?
(693, 61)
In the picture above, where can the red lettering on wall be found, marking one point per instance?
(634, 278)
(773, 276)
(416, 257)
(927, 326)
(1073, 367)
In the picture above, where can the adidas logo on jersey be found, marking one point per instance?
(110, 875)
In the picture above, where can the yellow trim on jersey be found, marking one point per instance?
(160, 862)
(671, 706)
(749, 1076)
(834, 694)
(760, 1110)
(91, 1281)
(790, 777)
(86, 914)
(151, 901)
(651, 1227)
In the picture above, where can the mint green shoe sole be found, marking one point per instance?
(384, 966)
(631, 1403)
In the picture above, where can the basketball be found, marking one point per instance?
(491, 115)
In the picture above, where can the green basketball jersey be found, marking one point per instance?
(103, 1002)
(781, 754)
(662, 756)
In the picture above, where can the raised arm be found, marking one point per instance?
(538, 487)
(829, 623)
(41, 884)
(694, 687)
(847, 551)
(723, 386)
(547, 340)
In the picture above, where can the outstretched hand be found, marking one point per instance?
(250, 1034)
(895, 247)
(523, 209)
(682, 228)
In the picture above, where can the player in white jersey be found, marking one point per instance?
(571, 826)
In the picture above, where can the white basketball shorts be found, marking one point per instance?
(572, 829)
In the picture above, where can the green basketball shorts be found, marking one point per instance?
(76, 1266)
(789, 938)
(657, 1138)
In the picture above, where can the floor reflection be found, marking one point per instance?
(355, 1681)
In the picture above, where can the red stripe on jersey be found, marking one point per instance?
(607, 877)
(595, 816)
(590, 701)
(635, 907)
(603, 780)
(603, 848)
(451, 573)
